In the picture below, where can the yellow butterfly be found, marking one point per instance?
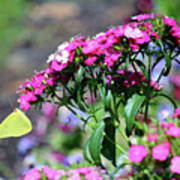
(15, 125)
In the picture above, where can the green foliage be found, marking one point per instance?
(94, 144)
(65, 142)
(168, 7)
(131, 110)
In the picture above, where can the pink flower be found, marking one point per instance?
(91, 47)
(152, 137)
(57, 66)
(39, 90)
(33, 174)
(141, 17)
(93, 175)
(161, 151)
(58, 157)
(74, 177)
(141, 117)
(167, 125)
(144, 39)
(137, 153)
(90, 60)
(133, 33)
(177, 113)
(173, 131)
(121, 71)
(108, 79)
(31, 96)
(155, 35)
(175, 165)
(53, 174)
(51, 81)
(153, 84)
(49, 110)
(24, 102)
(169, 21)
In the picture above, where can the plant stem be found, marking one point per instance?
(109, 143)
(169, 98)
(118, 146)
(146, 111)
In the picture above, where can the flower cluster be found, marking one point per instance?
(87, 173)
(159, 145)
(115, 67)
(104, 53)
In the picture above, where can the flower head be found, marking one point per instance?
(175, 165)
(33, 174)
(161, 151)
(152, 137)
(53, 174)
(137, 153)
(173, 131)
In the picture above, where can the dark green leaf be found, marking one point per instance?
(95, 143)
(86, 153)
(108, 99)
(131, 109)
(168, 64)
(80, 74)
(102, 91)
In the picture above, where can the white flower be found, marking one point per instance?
(99, 34)
(133, 140)
(65, 54)
(133, 32)
(51, 58)
(62, 46)
(63, 57)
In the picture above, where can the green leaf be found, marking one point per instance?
(102, 91)
(95, 143)
(131, 109)
(80, 74)
(86, 153)
(168, 64)
(108, 99)
(167, 58)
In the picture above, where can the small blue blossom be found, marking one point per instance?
(164, 111)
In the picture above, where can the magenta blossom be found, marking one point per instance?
(152, 137)
(170, 22)
(167, 125)
(161, 151)
(177, 113)
(49, 110)
(173, 131)
(137, 153)
(90, 61)
(53, 174)
(24, 102)
(33, 174)
(175, 165)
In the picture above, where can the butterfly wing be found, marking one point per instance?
(15, 125)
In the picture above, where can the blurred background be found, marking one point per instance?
(30, 30)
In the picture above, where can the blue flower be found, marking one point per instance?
(164, 111)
